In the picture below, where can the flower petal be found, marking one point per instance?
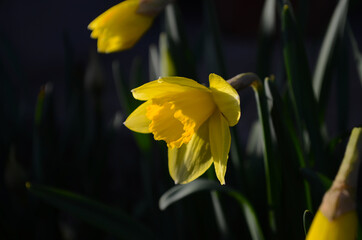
(165, 86)
(343, 227)
(138, 121)
(191, 160)
(226, 98)
(120, 27)
(220, 141)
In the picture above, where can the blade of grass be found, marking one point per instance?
(179, 192)
(109, 219)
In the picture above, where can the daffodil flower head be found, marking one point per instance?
(121, 26)
(192, 119)
(337, 217)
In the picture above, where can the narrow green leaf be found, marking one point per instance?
(213, 54)
(266, 38)
(154, 63)
(356, 52)
(317, 179)
(167, 63)
(220, 216)
(45, 143)
(125, 97)
(304, 103)
(290, 148)
(122, 91)
(342, 72)
(334, 32)
(270, 164)
(179, 192)
(179, 51)
(97, 214)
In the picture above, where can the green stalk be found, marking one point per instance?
(268, 151)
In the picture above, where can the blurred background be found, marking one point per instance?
(62, 112)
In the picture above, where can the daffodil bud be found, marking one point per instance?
(121, 26)
(337, 217)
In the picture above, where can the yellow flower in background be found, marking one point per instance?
(192, 119)
(343, 227)
(121, 26)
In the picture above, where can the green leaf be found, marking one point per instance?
(97, 214)
(183, 61)
(303, 99)
(167, 64)
(270, 163)
(154, 63)
(317, 179)
(125, 97)
(266, 38)
(356, 52)
(122, 91)
(213, 54)
(179, 192)
(334, 32)
(291, 151)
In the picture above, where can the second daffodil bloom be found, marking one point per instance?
(121, 26)
(192, 119)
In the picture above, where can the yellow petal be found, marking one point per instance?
(138, 121)
(191, 160)
(344, 227)
(120, 27)
(176, 117)
(220, 141)
(226, 98)
(166, 86)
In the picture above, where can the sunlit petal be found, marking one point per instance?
(138, 121)
(226, 98)
(191, 160)
(220, 141)
(166, 86)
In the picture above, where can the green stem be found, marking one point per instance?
(268, 155)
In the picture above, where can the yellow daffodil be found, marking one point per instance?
(192, 119)
(337, 218)
(121, 26)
